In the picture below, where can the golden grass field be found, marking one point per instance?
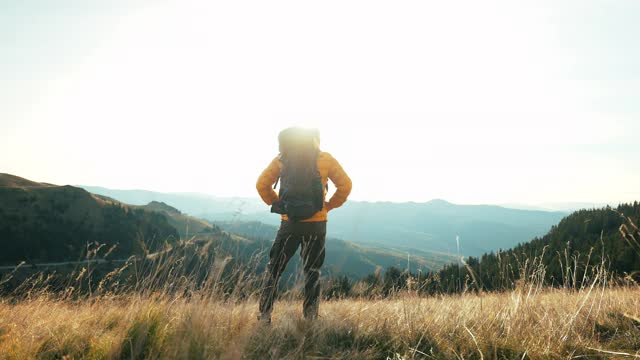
(527, 323)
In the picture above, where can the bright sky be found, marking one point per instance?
(473, 102)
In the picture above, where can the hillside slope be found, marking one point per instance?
(348, 258)
(435, 225)
(568, 255)
(185, 225)
(195, 204)
(44, 222)
(430, 227)
(251, 241)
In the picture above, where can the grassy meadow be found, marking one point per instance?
(188, 302)
(527, 323)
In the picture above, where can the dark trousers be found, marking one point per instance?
(311, 235)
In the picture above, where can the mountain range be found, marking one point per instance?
(436, 226)
(43, 223)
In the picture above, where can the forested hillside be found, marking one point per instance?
(435, 225)
(346, 258)
(587, 244)
(431, 226)
(185, 225)
(45, 223)
(583, 239)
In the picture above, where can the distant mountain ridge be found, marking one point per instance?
(185, 225)
(8, 180)
(432, 226)
(348, 258)
(567, 207)
(45, 223)
(442, 226)
(195, 204)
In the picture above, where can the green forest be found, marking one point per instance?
(53, 224)
(41, 223)
(587, 244)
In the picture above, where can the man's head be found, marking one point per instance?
(298, 139)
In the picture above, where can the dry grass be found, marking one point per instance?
(170, 313)
(516, 325)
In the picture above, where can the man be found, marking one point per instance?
(303, 171)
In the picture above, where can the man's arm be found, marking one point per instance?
(265, 182)
(342, 182)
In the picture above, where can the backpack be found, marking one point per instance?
(301, 192)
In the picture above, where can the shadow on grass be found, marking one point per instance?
(618, 331)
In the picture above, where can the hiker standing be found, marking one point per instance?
(302, 170)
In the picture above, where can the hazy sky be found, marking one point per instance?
(473, 102)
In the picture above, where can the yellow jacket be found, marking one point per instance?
(328, 168)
